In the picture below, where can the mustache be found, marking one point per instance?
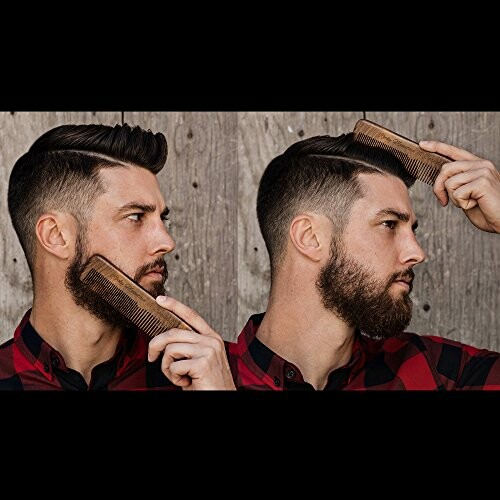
(407, 274)
(157, 263)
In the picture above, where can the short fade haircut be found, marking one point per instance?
(318, 174)
(60, 171)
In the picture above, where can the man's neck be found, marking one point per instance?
(302, 331)
(83, 340)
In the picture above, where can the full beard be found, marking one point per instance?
(359, 299)
(94, 303)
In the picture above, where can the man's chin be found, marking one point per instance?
(153, 287)
(400, 296)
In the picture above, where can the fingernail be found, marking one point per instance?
(424, 143)
(161, 298)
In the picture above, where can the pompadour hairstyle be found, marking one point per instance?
(318, 174)
(60, 171)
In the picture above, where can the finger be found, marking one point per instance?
(186, 313)
(449, 170)
(180, 372)
(201, 376)
(174, 352)
(179, 380)
(172, 355)
(467, 196)
(182, 381)
(447, 150)
(208, 348)
(162, 300)
(182, 367)
(175, 335)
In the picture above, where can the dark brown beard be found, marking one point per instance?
(92, 302)
(158, 286)
(359, 299)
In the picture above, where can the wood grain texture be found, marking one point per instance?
(17, 132)
(262, 136)
(200, 185)
(457, 290)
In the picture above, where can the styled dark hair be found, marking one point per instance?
(61, 172)
(318, 174)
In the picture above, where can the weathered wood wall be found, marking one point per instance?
(210, 182)
(200, 184)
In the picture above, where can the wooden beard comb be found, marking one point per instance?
(128, 297)
(420, 164)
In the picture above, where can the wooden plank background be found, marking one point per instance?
(210, 183)
(200, 185)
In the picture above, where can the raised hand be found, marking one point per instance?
(470, 183)
(193, 360)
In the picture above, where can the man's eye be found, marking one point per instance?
(391, 224)
(135, 217)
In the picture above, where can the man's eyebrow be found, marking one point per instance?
(143, 207)
(399, 215)
(395, 213)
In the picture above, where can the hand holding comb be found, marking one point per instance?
(128, 297)
(420, 164)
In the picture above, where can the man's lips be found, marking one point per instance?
(157, 271)
(404, 282)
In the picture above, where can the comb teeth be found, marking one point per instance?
(129, 298)
(420, 164)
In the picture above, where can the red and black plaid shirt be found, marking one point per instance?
(406, 362)
(27, 362)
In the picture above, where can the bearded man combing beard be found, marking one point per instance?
(82, 190)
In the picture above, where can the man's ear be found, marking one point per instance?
(310, 235)
(56, 233)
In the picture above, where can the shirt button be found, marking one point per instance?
(55, 362)
(276, 381)
(46, 367)
(290, 374)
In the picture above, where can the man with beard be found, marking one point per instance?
(82, 190)
(339, 227)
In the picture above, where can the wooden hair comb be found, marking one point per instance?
(420, 164)
(129, 298)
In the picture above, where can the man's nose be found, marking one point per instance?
(412, 252)
(162, 241)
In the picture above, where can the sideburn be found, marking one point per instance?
(86, 298)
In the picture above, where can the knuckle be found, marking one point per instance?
(203, 363)
(156, 341)
(215, 343)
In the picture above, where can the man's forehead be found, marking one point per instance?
(119, 178)
(379, 185)
(381, 192)
(126, 184)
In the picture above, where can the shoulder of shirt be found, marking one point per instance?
(8, 343)
(428, 341)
